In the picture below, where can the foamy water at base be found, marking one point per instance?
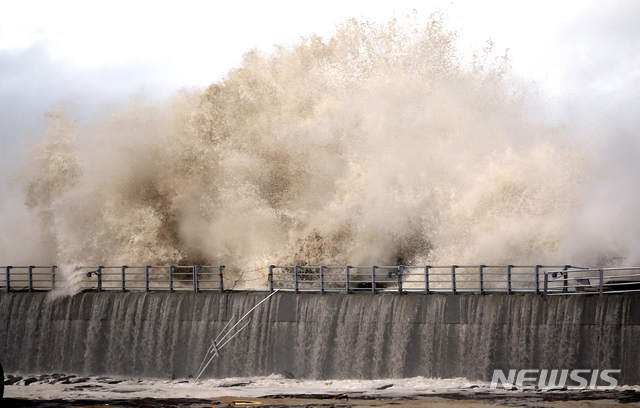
(99, 387)
(280, 391)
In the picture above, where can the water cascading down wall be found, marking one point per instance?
(164, 335)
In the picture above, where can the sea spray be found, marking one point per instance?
(381, 144)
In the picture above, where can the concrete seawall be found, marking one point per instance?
(319, 336)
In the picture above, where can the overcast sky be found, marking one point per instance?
(87, 56)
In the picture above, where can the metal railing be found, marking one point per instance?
(148, 278)
(29, 278)
(453, 279)
(584, 281)
(547, 280)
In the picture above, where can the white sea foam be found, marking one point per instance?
(246, 387)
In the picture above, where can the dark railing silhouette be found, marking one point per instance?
(428, 279)
(546, 280)
(148, 278)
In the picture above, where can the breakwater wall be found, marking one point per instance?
(316, 336)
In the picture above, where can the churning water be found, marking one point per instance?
(382, 144)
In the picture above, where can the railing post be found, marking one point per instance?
(565, 281)
(546, 284)
(270, 278)
(100, 268)
(171, 279)
(123, 277)
(8, 278)
(31, 278)
(196, 277)
(509, 279)
(295, 277)
(601, 285)
(400, 269)
(426, 280)
(348, 270)
(322, 280)
(221, 288)
(53, 277)
(481, 278)
(147, 269)
(453, 279)
(373, 279)
(538, 279)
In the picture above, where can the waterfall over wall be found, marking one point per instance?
(319, 336)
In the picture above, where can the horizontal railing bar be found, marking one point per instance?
(619, 276)
(134, 266)
(630, 268)
(621, 291)
(499, 273)
(26, 267)
(430, 266)
(598, 277)
(610, 283)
